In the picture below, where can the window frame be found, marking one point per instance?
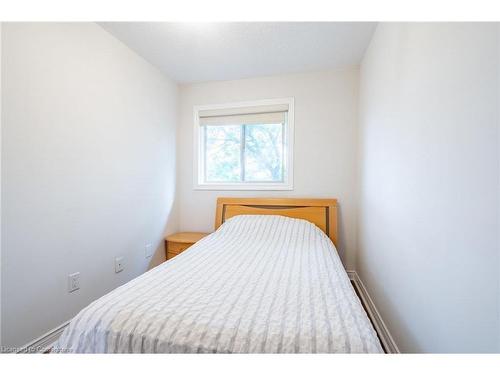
(199, 160)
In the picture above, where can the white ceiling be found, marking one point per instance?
(193, 52)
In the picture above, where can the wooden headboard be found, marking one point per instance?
(321, 212)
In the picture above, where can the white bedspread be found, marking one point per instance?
(259, 284)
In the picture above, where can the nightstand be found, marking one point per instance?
(178, 242)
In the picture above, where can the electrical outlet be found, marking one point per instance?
(119, 264)
(148, 250)
(73, 282)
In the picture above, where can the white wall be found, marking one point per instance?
(428, 243)
(325, 144)
(0, 186)
(498, 124)
(88, 169)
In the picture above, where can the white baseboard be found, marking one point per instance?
(378, 323)
(44, 342)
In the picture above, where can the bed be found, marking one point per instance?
(268, 280)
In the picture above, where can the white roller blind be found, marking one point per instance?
(265, 114)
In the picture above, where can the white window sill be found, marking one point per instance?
(244, 187)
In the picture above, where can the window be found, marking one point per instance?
(244, 146)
